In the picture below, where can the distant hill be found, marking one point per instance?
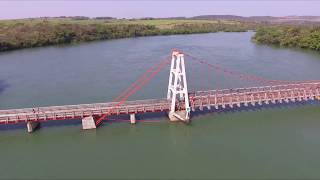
(257, 19)
(260, 18)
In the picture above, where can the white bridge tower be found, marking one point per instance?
(178, 89)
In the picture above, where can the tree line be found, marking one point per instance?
(307, 37)
(42, 33)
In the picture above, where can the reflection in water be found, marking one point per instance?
(3, 86)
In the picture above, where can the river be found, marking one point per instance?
(268, 142)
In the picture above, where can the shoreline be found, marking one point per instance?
(39, 33)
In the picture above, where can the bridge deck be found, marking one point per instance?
(12, 116)
(256, 95)
(199, 99)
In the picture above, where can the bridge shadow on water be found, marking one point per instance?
(251, 108)
(146, 117)
(163, 116)
(77, 123)
(159, 117)
(46, 124)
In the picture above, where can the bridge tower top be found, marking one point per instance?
(177, 87)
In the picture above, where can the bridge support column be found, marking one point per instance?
(132, 118)
(88, 123)
(178, 90)
(31, 126)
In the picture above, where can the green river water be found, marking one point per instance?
(277, 141)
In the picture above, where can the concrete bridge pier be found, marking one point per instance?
(193, 109)
(178, 116)
(32, 126)
(132, 118)
(88, 123)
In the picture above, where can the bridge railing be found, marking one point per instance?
(83, 110)
(257, 89)
(255, 95)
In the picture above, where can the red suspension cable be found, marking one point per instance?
(239, 74)
(141, 78)
(136, 88)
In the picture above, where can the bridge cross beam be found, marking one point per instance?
(178, 89)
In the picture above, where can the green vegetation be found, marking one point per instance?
(16, 34)
(290, 36)
(25, 33)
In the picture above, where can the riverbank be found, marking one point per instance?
(18, 34)
(307, 37)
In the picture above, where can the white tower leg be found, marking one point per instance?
(178, 89)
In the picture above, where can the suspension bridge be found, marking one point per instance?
(179, 103)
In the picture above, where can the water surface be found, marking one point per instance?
(270, 142)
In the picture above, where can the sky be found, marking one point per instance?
(14, 9)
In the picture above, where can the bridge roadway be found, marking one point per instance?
(256, 95)
(198, 100)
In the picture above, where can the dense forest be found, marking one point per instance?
(34, 33)
(25, 33)
(290, 36)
